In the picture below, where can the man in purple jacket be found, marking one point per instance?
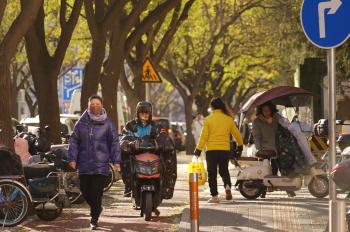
(93, 144)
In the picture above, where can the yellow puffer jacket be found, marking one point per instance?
(216, 132)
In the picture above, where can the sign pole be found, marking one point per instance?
(336, 207)
(147, 91)
(332, 118)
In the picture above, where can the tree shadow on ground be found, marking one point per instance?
(229, 220)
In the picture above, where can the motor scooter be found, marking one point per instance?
(257, 179)
(146, 176)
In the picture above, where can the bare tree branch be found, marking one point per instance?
(91, 19)
(173, 27)
(112, 14)
(63, 13)
(138, 7)
(2, 9)
(159, 12)
(19, 27)
(67, 31)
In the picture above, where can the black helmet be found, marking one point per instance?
(144, 107)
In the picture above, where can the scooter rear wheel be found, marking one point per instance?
(319, 186)
(250, 193)
(147, 205)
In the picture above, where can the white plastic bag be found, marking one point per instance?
(251, 151)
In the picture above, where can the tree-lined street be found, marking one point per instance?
(142, 87)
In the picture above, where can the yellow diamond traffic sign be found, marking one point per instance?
(149, 73)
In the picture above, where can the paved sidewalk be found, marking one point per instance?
(118, 214)
(275, 213)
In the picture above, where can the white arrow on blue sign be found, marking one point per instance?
(326, 23)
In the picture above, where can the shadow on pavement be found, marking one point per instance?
(229, 220)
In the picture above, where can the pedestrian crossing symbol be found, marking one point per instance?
(149, 73)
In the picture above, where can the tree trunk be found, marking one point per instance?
(46, 88)
(140, 87)
(202, 104)
(14, 97)
(8, 46)
(136, 94)
(109, 92)
(92, 72)
(6, 133)
(190, 143)
(132, 103)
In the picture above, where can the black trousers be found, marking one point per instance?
(91, 186)
(217, 159)
(126, 171)
(274, 166)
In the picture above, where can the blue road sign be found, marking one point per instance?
(71, 81)
(326, 23)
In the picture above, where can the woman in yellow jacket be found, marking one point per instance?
(215, 139)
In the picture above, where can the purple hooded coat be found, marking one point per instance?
(93, 145)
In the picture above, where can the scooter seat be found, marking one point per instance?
(266, 154)
(37, 171)
(247, 159)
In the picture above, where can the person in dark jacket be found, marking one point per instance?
(141, 126)
(92, 146)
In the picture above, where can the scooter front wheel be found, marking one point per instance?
(319, 186)
(250, 189)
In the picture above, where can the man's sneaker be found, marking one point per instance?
(228, 193)
(214, 199)
(93, 224)
(291, 193)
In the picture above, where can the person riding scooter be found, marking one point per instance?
(264, 133)
(139, 127)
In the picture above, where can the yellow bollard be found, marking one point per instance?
(194, 203)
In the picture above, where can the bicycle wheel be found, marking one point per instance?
(110, 179)
(14, 202)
